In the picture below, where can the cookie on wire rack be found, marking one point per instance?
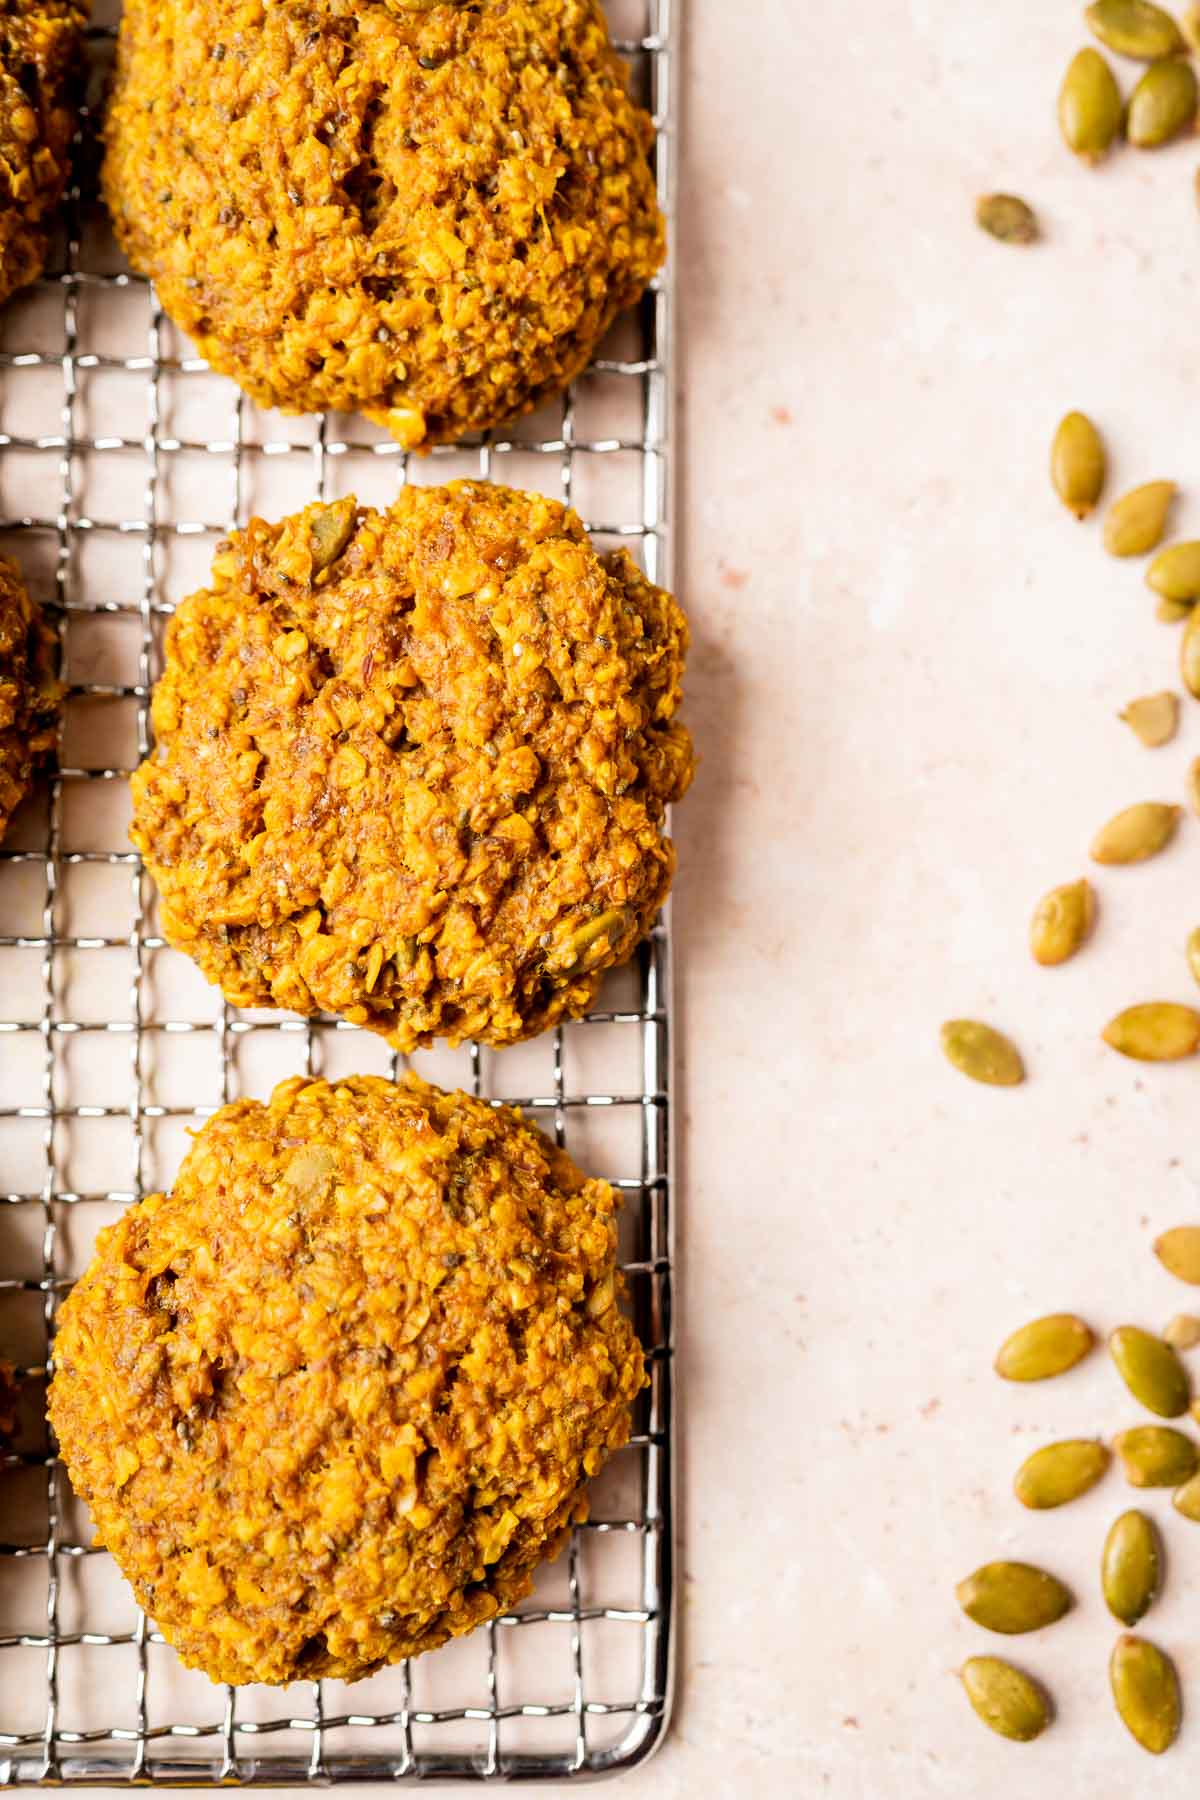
(41, 76)
(29, 691)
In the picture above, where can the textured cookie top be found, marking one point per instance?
(412, 766)
(333, 1398)
(429, 214)
(41, 45)
(29, 693)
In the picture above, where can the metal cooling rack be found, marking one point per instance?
(122, 461)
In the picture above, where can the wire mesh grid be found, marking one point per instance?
(122, 461)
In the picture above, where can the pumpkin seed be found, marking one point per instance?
(1156, 1456)
(1182, 1332)
(1175, 571)
(1043, 1348)
(1151, 1371)
(1135, 28)
(1178, 1250)
(1186, 1499)
(982, 1052)
(1189, 654)
(1062, 922)
(1006, 1699)
(1154, 719)
(1172, 611)
(1192, 949)
(1189, 25)
(1193, 785)
(1162, 105)
(590, 942)
(330, 529)
(1157, 1031)
(1012, 1597)
(1136, 834)
(1078, 463)
(1007, 217)
(1060, 1472)
(1145, 1688)
(1136, 521)
(1090, 109)
(1131, 1566)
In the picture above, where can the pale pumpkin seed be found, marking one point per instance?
(1189, 25)
(1151, 1371)
(1007, 217)
(1193, 785)
(1162, 105)
(982, 1052)
(1172, 611)
(1136, 834)
(1058, 1473)
(1062, 922)
(1012, 1597)
(1156, 1031)
(1193, 953)
(1154, 719)
(1145, 1688)
(1178, 1250)
(1090, 109)
(1186, 1500)
(1006, 1699)
(1183, 1331)
(1189, 654)
(1135, 28)
(1156, 1456)
(1078, 463)
(1175, 572)
(1131, 1567)
(1134, 523)
(1043, 1348)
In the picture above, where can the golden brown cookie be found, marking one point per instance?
(412, 766)
(29, 692)
(334, 1398)
(429, 214)
(41, 56)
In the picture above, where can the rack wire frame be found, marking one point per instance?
(326, 1741)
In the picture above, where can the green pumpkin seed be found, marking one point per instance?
(1135, 28)
(1136, 834)
(1090, 109)
(1145, 1688)
(1131, 1567)
(1156, 1031)
(1058, 1473)
(1162, 105)
(982, 1052)
(1151, 1371)
(1062, 922)
(1193, 785)
(1156, 1456)
(1178, 1250)
(1182, 1332)
(1007, 217)
(1186, 1500)
(1012, 1597)
(1043, 1348)
(1006, 1699)
(1189, 654)
(1078, 463)
(1154, 719)
(1175, 572)
(1135, 523)
(592, 941)
(330, 529)
(1172, 611)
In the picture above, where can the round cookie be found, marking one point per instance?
(427, 213)
(333, 1399)
(412, 767)
(41, 46)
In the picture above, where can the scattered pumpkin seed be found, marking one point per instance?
(1189, 654)
(1162, 105)
(982, 1052)
(1090, 109)
(1012, 1597)
(1043, 1348)
(1178, 1250)
(1192, 949)
(1154, 719)
(1136, 834)
(1175, 571)
(1193, 785)
(1189, 25)
(1007, 217)
(1156, 1456)
(1183, 1331)
(1006, 1699)
(1060, 1472)
(1186, 1499)
(1156, 1031)
(1135, 28)
(1135, 522)
(1131, 1566)
(1062, 922)
(1151, 1371)
(1172, 611)
(1145, 1688)
(1078, 463)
